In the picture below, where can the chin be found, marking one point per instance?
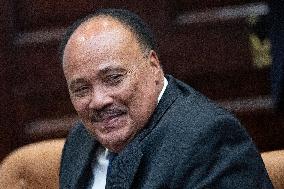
(116, 140)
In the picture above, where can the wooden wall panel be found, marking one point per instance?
(9, 129)
(231, 85)
(34, 14)
(221, 47)
(40, 84)
(266, 128)
(41, 13)
(195, 4)
(218, 55)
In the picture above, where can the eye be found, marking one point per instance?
(80, 91)
(114, 79)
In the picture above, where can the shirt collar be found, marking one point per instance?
(163, 89)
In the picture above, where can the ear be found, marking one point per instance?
(156, 67)
(154, 60)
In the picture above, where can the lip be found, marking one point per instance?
(112, 122)
(108, 119)
(105, 116)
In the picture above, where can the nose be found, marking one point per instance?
(100, 99)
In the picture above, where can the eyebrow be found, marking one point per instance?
(111, 69)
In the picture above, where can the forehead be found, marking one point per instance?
(98, 43)
(101, 35)
(99, 24)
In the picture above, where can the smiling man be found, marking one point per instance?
(114, 82)
(141, 129)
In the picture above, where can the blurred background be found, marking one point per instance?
(232, 51)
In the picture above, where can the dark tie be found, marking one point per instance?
(111, 156)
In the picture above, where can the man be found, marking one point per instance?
(140, 129)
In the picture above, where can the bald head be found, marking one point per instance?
(130, 20)
(102, 38)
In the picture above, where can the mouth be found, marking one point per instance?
(108, 117)
(112, 122)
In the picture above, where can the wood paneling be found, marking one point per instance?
(231, 85)
(34, 14)
(39, 82)
(41, 13)
(199, 5)
(47, 128)
(266, 128)
(199, 48)
(215, 59)
(9, 131)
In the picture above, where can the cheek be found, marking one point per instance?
(136, 99)
(145, 98)
(81, 106)
(126, 93)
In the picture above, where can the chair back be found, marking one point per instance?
(274, 163)
(33, 166)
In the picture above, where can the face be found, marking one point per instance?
(113, 84)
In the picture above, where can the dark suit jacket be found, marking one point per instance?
(188, 143)
(277, 52)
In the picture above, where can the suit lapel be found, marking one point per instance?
(170, 95)
(125, 165)
(81, 161)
